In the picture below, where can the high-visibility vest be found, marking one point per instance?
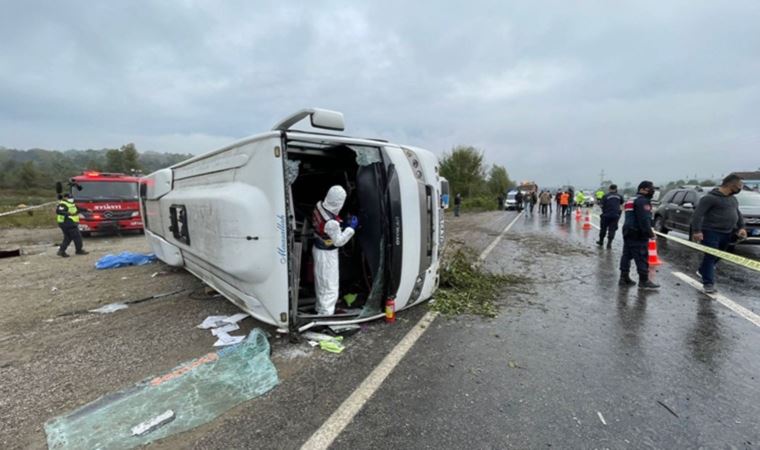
(72, 209)
(564, 199)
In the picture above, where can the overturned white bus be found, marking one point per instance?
(238, 218)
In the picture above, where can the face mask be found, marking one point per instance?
(735, 191)
(649, 194)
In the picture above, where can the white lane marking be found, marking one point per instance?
(488, 249)
(339, 420)
(601, 417)
(331, 429)
(722, 299)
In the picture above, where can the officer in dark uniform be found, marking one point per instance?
(612, 204)
(67, 217)
(637, 230)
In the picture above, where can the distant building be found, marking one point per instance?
(751, 179)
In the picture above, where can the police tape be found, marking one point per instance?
(736, 259)
(28, 208)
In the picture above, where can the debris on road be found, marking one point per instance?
(152, 424)
(466, 288)
(601, 417)
(201, 390)
(124, 259)
(667, 407)
(332, 344)
(225, 339)
(342, 329)
(109, 308)
(10, 253)
(225, 329)
(220, 321)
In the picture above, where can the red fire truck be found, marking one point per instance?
(111, 200)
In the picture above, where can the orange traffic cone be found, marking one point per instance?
(587, 222)
(654, 260)
(577, 214)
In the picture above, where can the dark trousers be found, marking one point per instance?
(717, 240)
(564, 210)
(544, 208)
(608, 224)
(70, 233)
(638, 251)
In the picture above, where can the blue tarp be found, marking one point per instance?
(124, 259)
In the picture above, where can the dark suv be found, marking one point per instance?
(677, 206)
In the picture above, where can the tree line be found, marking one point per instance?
(38, 168)
(469, 175)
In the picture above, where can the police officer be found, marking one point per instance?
(612, 204)
(637, 230)
(67, 216)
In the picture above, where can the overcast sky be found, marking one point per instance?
(554, 91)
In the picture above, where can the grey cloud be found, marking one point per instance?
(555, 91)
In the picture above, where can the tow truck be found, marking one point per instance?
(110, 199)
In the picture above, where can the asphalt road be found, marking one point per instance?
(578, 362)
(572, 360)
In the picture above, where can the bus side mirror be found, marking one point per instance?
(58, 187)
(78, 186)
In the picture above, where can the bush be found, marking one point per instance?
(480, 203)
(466, 288)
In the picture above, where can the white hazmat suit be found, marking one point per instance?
(328, 234)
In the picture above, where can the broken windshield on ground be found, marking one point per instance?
(195, 393)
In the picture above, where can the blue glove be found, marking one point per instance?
(354, 222)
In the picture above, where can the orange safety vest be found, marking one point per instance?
(564, 199)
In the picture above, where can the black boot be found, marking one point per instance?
(82, 252)
(600, 242)
(609, 243)
(62, 254)
(644, 282)
(625, 279)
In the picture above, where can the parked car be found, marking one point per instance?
(677, 207)
(589, 199)
(511, 203)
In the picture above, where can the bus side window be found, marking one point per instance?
(178, 218)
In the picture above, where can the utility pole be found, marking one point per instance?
(601, 177)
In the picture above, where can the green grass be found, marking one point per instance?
(38, 218)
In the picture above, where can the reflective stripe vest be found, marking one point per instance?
(564, 199)
(319, 219)
(72, 212)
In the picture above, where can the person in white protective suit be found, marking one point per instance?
(329, 235)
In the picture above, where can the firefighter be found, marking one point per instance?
(612, 204)
(328, 237)
(67, 217)
(637, 230)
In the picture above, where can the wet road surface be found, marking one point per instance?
(574, 361)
